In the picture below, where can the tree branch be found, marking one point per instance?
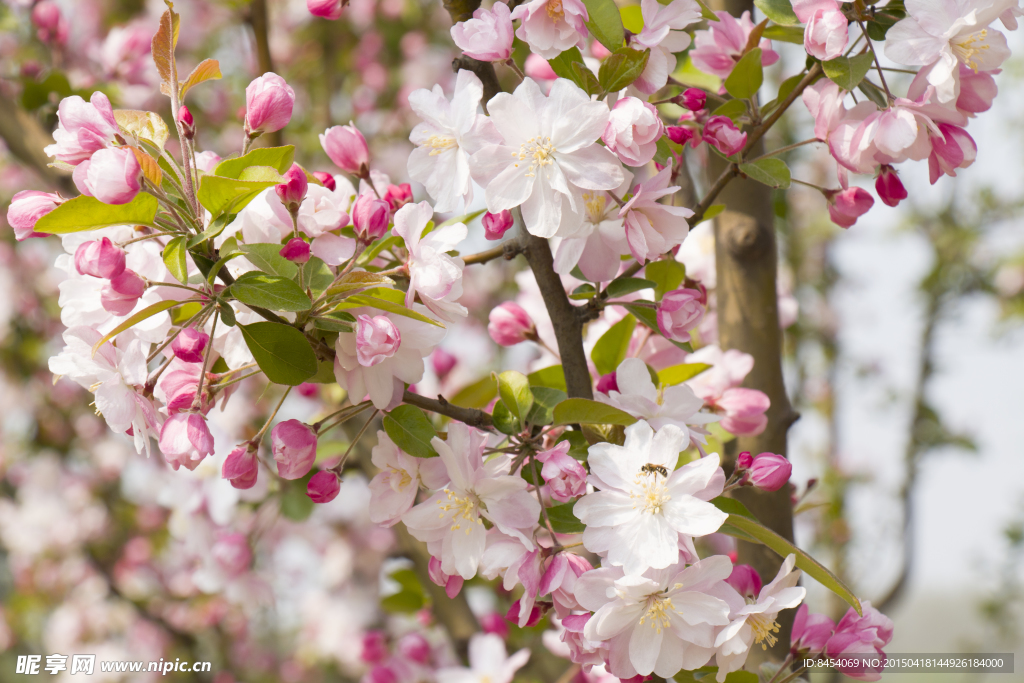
(507, 250)
(440, 405)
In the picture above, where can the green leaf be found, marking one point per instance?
(504, 421)
(377, 247)
(585, 411)
(562, 64)
(611, 348)
(747, 76)
(261, 174)
(605, 23)
(779, 11)
(227, 314)
(216, 227)
(331, 323)
(384, 305)
(174, 259)
(805, 562)
(147, 312)
(712, 211)
(848, 72)
(551, 376)
(632, 18)
(578, 445)
(677, 374)
(282, 352)
(706, 12)
(279, 158)
(220, 195)
(403, 602)
(666, 275)
(214, 270)
(89, 213)
(545, 400)
(267, 257)
(296, 504)
(880, 23)
(787, 34)
(514, 389)
(585, 78)
(476, 395)
(732, 108)
(584, 292)
(772, 172)
(564, 520)
(626, 285)
(874, 93)
(411, 430)
(621, 68)
(273, 292)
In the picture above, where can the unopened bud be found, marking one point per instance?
(188, 124)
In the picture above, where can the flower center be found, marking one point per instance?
(400, 476)
(651, 497)
(971, 45)
(537, 151)
(657, 611)
(595, 204)
(440, 143)
(462, 508)
(763, 628)
(555, 10)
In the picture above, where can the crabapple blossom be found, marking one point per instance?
(452, 583)
(663, 36)
(82, 129)
(26, 208)
(722, 134)
(487, 36)
(497, 224)
(599, 243)
(393, 490)
(864, 635)
(954, 148)
(693, 99)
(100, 258)
(810, 631)
(185, 439)
(640, 535)
(293, 190)
(488, 662)
(888, 186)
(347, 148)
(744, 411)
(633, 131)
(433, 274)
(207, 161)
(718, 48)
(323, 487)
(326, 179)
(547, 155)
(51, 24)
(653, 228)
(846, 206)
(826, 33)
(770, 472)
(398, 196)
(635, 393)
(294, 446)
(550, 27)
(510, 324)
(112, 175)
(566, 478)
(122, 292)
(680, 134)
(377, 339)
(241, 467)
(189, 345)
(268, 104)
(745, 580)
(326, 9)
(296, 250)
(680, 311)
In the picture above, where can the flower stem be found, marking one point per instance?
(197, 401)
(259, 435)
(341, 463)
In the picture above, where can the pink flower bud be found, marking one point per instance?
(745, 580)
(693, 99)
(241, 467)
(415, 648)
(370, 217)
(380, 674)
(188, 124)
(231, 551)
(679, 312)
(443, 362)
(513, 614)
(810, 631)
(679, 134)
(294, 446)
(179, 387)
(375, 647)
(326, 9)
(494, 623)
(744, 460)
(633, 131)
(268, 104)
(377, 338)
(112, 175)
(296, 251)
(607, 383)
(346, 147)
(27, 207)
(100, 258)
(537, 68)
(721, 133)
(308, 389)
(510, 324)
(770, 472)
(565, 477)
(51, 25)
(326, 179)
(890, 189)
(744, 411)
(846, 206)
(185, 440)
(189, 345)
(207, 161)
(293, 190)
(487, 36)
(497, 224)
(451, 584)
(323, 487)
(121, 293)
(398, 196)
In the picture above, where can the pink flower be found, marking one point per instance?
(510, 324)
(856, 634)
(977, 90)
(487, 36)
(207, 161)
(846, 206)
(231, 552)
(497, 224)
(377, 338)
(188, 124)
(179, 386)
(380, 674)
(415, 647)
(112, 175)
(744, 411)
(537, 68)
(564, 476)
(293, 190)
(607, 383)
(653, 228)
(955, 149)
(296, 250)
(326, 179)
(581, 650)
(83, 128)
(100, 258)
(679, 134)
(294, 446)
(633, 130)
(550, 27)
(718, 49)
(189, 345)
(323, 487)
(185, 440)
(810, 631)
(27, 207)
(325, 9)
(241, 467)
(494, 623)
(679, 312)
(745, 580)
(398, 196)
(452, 584)
(693, 99)
(374, 647)
(525, 618)
(121, 293)
(721, 133)
(826, 34)
(888, 186)
(370, 216)
(770, 472)
(346, 147)
(51, 24)
(442, 362)
(268, 104)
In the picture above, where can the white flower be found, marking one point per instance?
(548, 154)
(488, 662)
(661, 622)
(451, 521)
(450, 132)
(755, 623)
(435, 275)
(550, 27)
(662, 35)
(945, 32)
(600, 240)
(643, 507)
(393, 490)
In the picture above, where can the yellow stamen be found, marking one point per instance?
(539, 151)
(463, 507)
(763, 629)
(440, 143)
(657, 609)
(555, 10)
(966, 49)
(652, 496)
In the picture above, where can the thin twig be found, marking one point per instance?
(341, 463)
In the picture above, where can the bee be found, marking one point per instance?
(654, 469)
